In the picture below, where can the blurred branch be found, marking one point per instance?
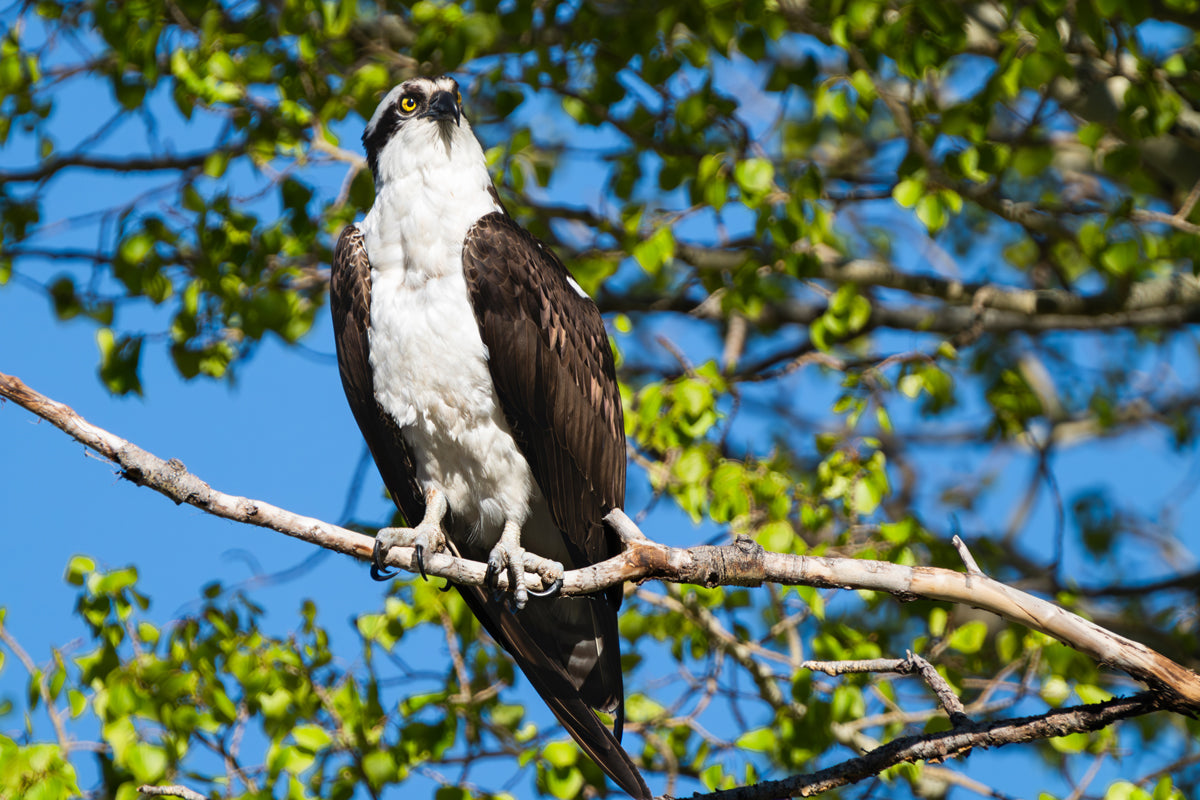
(1179, 289)
(968, 307)
(746, 654)
(171, 791)
(948, 319)
(41, 678)
(1173, 290)
(1188, 581)
(143, 164)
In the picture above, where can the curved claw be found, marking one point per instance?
(420, 553)
(447, 587)
(378, 568)
(491, 576)
(550, 591)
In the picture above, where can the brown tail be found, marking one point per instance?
(554, 686)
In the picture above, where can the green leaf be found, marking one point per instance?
(908, 191)
(938, 618)
(712, 777)
(711, 180)
(1071, 743)
(761, 740)
(215, 163)
(564, 783)
(910, 385)
(78, 568)
(78, 701)
(754, 176)
(379, 767)
(1055, 691)
(640, 708)
(120, 359)
(969, 637)
(932, 212)
(560, 754)
(868, 494)
(66, 302)
(311, 737)
(1124, 790)
(147, 762)
(1092, 694)
(1122, 258)
(1165, 789)
(652, 253)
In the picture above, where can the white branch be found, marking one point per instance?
(743, 563)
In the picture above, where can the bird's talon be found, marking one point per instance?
(551, 591)
(381, 575)
(420, 556)
(378, 567)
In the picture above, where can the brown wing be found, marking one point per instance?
(551, 363)
(350, 302)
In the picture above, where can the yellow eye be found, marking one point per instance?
(408, 104)
(458, 97)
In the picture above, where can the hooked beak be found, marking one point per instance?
(443, 106)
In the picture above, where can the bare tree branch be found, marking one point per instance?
(937, 746)
(743, 563)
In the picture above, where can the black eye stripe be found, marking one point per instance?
(374, 141)
(392, 117)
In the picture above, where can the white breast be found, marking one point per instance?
(430, 364)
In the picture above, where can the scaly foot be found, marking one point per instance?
(427, 537)
(509, 557)
(424, 538)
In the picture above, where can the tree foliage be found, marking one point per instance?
(865, 262)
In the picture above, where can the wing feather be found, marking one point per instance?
(350, 303)
(552, 367)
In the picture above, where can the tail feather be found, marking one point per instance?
(560, 693)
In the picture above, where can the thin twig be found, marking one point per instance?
(60, 732)
(173, 790)
(909, 665)
(945, 695)
(965, 555)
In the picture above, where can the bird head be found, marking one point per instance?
(421, 119)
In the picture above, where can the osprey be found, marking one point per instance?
(481, 377)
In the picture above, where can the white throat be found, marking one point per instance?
(431, 189)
